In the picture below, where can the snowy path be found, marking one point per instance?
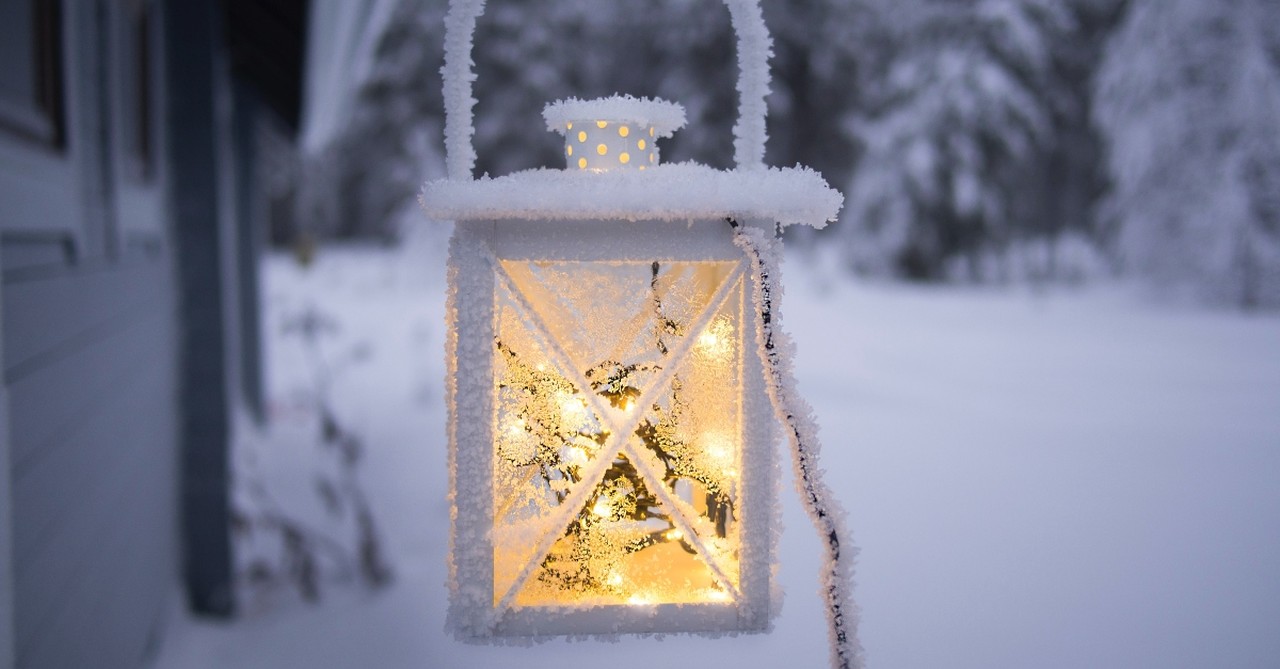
(1061, 481)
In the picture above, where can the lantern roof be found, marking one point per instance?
(673, 192)
(665, 117)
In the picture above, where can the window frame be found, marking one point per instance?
(43, 183)
(136, 116)
(41, 119)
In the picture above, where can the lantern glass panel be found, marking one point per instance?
(618, 431)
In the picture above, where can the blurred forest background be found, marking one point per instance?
(992, 141)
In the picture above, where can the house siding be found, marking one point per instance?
(125, 345)
(91, 385)
(89, 367)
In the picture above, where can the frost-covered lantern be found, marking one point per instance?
(611, 439)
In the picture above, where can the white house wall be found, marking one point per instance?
(110, 312)
(89, 370)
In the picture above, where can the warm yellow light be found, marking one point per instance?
(624, 158)
(651, 132)
(717, 595)
(569, 126)
(716, 341)
(577, 456)
(623, 131)
(602, 124)
(517, 442)
(573, 409)
(568, 150)
(640, 145)
(582, 135)
(602, 149)
(602, 508)
(652, 158)
(719, 451)
(620, 517)
(582, 163)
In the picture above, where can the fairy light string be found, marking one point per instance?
(774, 348)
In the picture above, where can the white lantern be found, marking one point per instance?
(611, 440)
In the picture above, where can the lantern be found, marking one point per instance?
(611, 440)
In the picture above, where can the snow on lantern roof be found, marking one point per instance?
(665, 117)
(674, 192)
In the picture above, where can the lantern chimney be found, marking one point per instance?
(613, 133)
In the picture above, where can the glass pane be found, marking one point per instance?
(587, 349)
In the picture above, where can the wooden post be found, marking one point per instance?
(191, 32)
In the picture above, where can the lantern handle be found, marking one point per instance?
(754, 49)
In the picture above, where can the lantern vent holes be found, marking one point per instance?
(616, 127)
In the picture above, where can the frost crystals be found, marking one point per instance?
(617, 433)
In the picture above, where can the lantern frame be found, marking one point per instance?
(482, 247)
(670, 213)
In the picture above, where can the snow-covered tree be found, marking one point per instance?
(1056, 195)
(976, 135)
(821, 49)
(1189, 95)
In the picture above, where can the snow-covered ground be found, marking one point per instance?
(1071, 479)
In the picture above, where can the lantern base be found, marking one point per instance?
(709, 619)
